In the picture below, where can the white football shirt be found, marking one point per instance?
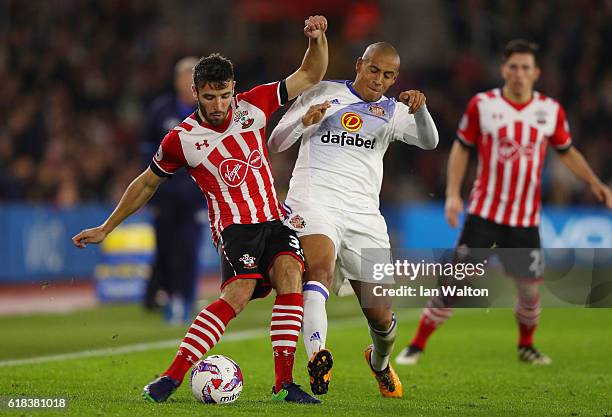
(340, 161)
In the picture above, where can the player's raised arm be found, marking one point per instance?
(134, 197)
(315, 60)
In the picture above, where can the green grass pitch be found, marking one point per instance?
(470, 367)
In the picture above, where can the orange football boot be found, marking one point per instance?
(389, 383)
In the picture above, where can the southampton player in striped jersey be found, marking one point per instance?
(345, 129)
(222, 146)
(510, 128)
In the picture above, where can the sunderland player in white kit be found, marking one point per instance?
(510, 128)
(345, 128)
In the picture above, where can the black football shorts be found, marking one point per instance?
(523, 260)
(248, 251)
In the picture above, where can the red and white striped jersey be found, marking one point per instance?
(230, 162)
(511, 140)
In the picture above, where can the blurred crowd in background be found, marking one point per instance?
(78, 77)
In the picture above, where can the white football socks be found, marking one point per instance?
(383, 341)
(314, 324)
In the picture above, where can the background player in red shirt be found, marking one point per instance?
(510, 129)
(222, 146)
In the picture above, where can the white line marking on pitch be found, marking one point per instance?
(162, 344)
(169, 343)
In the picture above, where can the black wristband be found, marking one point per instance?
(283, 94)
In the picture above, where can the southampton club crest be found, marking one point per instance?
(242, 117)
(297, 222)
(248, 261)
(541, 116)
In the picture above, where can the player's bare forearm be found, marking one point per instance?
(312, 69)
(314, 64)
(455, 170)
(315, 61)
(135, 196)
(574, 160)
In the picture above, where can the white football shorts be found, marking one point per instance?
(360, 239)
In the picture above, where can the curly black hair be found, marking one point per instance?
(214, 69)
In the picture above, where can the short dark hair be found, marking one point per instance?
(521, 46)
(214, 69)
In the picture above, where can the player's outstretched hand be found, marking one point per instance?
(603, 193)
(452, 210)
(315, 26)
(315, 113)
(414, 99)
(95, 235)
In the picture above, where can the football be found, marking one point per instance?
(216, 380)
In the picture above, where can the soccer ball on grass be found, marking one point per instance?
(216, 380)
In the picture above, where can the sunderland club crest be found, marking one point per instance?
(377, 110)
(297, 222)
